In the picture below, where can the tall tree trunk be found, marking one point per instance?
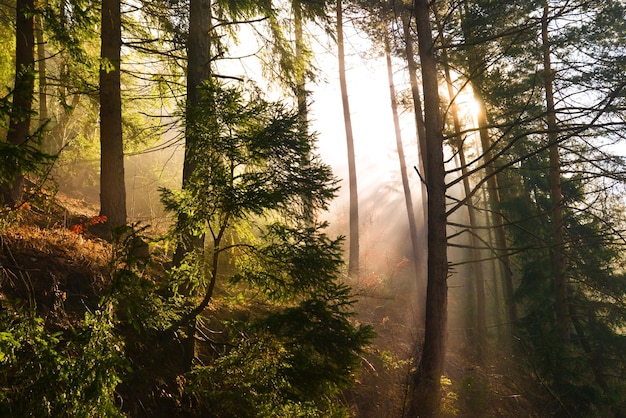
(494, 265)
(476, 265)
(426, 391)
(112, 186)
(301, 93)
(20, 113)
(556, 197)
(198, 71)
(493, 193)
(408, 200)
(353, 260)
(476, 70)
(302, 96)
(415, 90)
(420, 131)
(43, 84)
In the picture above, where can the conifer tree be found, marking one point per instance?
(112, 182)
(245, 196)
(354, 253)
(21, 109)
(426, 380)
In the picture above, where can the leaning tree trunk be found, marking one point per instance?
(408, 199)
(420, 131)
(353, 260)
(20, 112)
(426, 390)
(112, 186)
(556, 197)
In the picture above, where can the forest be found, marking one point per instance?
(312, 208)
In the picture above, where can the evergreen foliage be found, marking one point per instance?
(52, 374)
(246, 196)
(575, 376)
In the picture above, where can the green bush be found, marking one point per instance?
(70, 374)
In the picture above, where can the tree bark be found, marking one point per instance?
(426, 391)
(415, 91)
(420, 131)
(112, 186)
(41, 70)
(556, 196)
(43, 84)
(20, 113)
(198, 71)
(354, 252)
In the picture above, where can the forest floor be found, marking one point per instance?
(51, 262)
(51, 259)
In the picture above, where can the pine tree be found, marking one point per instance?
(21, 109)
(245, 196)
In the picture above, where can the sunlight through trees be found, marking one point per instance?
(184, 232)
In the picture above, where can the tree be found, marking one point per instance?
(238, 172)
(245, 196)
(198, 45)
(556, 197)
(112, 183)
(477, 276)
(408, 199)
(353, 256)
(21, 110)
(426, 388)
(532, 158)
(420, 134)
(476, 72)
(42, 79)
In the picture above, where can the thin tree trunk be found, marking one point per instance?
(302, 96)
(301, 93)
(476, 265)
(420, 131)
(501, 251)
(497, 220)
(415, 90)
(494, 273)
(408, 200)
(43, 84)
(426, 391)
(20, 113)
(353, 260)
(112, 186)
(556, 197)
